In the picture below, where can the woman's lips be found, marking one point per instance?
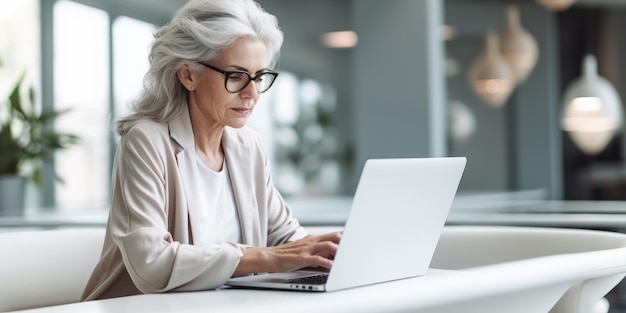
(245, 111)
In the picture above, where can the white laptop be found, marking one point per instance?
(398, 212)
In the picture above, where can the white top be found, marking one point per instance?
(220, 215)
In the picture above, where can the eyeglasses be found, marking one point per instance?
(236, 81)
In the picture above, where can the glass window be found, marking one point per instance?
(131, 44)
(81, 82)
(82, 71)
(98, 75)
(19, 54)
(306, 156)
(19, 48)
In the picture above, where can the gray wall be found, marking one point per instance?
(398, 93)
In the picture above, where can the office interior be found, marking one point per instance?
(402, 88)
(402, 91)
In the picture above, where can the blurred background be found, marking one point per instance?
(358, 79)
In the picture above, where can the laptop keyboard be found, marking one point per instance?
(311, 280)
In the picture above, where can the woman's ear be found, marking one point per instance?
(187, 77)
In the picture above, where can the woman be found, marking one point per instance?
(193, 202)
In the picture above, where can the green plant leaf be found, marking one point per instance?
(15, 99)
(33, 139)
(37, 178)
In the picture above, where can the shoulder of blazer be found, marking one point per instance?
(147, 132)
(244, 136)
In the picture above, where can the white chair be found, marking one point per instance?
(46, 267)
(571, 269)
(593, 259)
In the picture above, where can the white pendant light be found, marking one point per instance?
(593, 110)
(462, 121)
(518, 46)
(490, 75)
(556, 5)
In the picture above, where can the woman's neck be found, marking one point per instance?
(208, 144)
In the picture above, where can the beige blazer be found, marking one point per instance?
(149, 245)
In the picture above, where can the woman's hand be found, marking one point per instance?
(310, 251)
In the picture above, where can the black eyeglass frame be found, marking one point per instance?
(250, 77)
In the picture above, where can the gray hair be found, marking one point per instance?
(199, 31)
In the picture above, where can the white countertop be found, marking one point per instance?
(525, 286)
(334, 212)
(579, 214)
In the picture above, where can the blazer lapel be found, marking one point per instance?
(182, 133)
(239, 167)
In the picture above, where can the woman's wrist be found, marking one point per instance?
(253, 261)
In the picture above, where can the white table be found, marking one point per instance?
(490, 269)
(526, 286)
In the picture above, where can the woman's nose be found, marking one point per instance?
(250, 90)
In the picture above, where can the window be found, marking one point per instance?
(19, 52)
(99, 64)
(19, 48)
(82, 72)
(306, 156)
(81, 82)
(131, 44)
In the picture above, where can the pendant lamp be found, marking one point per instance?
(518, 46)
(462, 121)
(556, 5)
(592, 110)
(490, 75)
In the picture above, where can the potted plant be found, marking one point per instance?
(26, 137)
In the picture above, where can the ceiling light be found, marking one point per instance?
(518, 46)
(593, 110)
(490, 75)
(462, 121)
(341, 39)
(448, 32)
(556, 5)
